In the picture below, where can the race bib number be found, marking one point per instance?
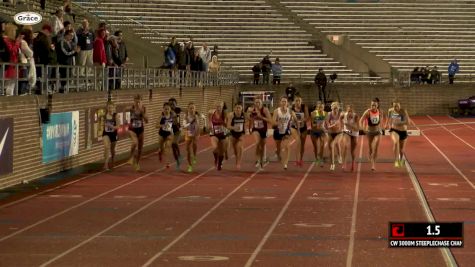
(88, 41)
(374, 119)
(109, 127)
(219, 129)
(282, 128)
(167, 127)
(258, 124)
(137, 124)
(238, 127)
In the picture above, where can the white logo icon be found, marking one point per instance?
(2, 143)
(27, 18)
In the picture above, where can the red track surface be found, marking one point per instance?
(300, 217)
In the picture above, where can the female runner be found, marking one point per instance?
(370, 122)
(236, 122)
(299, 128)
(217, 121)
(350, 135)
(334, 126)
(398, 120)
(282, 118)
(259, 117)
(110, 120)
(176, 131)
(138, 116)
(165, 132)
(191, 125)
(318, 134)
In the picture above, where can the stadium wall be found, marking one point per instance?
(417, 99)
(27, 150)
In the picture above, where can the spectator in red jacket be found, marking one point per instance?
(12, 46)
(99, 54)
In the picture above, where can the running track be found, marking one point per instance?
(300, 217)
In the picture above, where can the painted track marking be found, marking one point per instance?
(57, 257)
(66, 184)
(458, 137)
(82, 203)
(184, 233)
(277, 219)
(351, 244)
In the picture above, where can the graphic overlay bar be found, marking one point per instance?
(425, 235)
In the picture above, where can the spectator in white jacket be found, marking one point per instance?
(57, 21)
(26, 57)
(205, 55)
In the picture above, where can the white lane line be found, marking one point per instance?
(66, 184)
(57, 257)
(351, 244)
(82, 203)
(446, 253)
(464, 123)
(278, 218)
(184, 233)
(449, 161)
(458, 137)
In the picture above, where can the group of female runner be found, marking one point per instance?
(336, 130)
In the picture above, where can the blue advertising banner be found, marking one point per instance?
(61, 136)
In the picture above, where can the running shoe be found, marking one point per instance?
(193, 161)
(137, 167)
(168, 166)
(285, 166)
(130, 161)
(258, 163)
(397, 164)
(190, 168)
(340, 160)
(332, 167)
(402, 163)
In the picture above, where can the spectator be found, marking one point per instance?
(214, 69)
(266, 68)
(66, 52)
(57, 22)
(416, 75)
(123, 57)
(190, 52)
(182, 58)
(453, 69)
(4, 55)
(321, 82)
(424, 75)
(290, 92)
(99, 50)
(67, 26)
(43, 4)
(333, 77)
(196, 67)
(256, 70)
(205, 54)
(102, 26)
(99, 56)
(86, 43)
(170, 57)
(435, 75)
(43, 51)
(67, 6)
(26, 57)
(114, 62)
(214, 66)
(276, 71)
(12, 46)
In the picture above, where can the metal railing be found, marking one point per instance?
(65, 79)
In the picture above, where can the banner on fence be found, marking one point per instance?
(61, 136)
